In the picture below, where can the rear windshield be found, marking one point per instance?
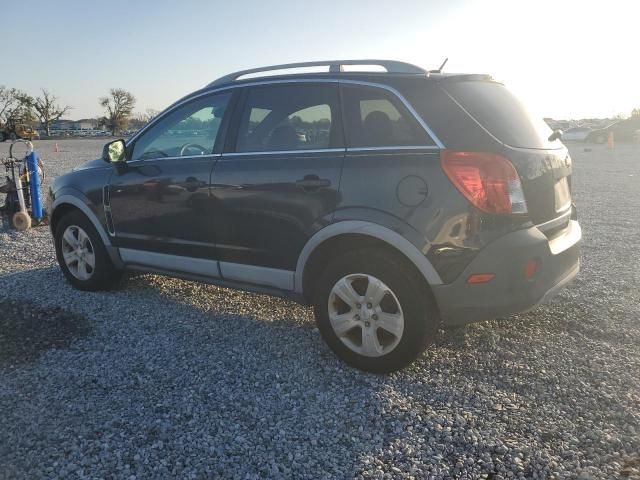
(502, 114)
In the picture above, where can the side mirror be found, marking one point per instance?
(556, 135)
(114, 152)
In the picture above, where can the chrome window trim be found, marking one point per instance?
(390, 89)
(207, 155)
(399, 147)
(333, 150)
(284, 152)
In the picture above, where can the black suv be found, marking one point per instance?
(393, 202)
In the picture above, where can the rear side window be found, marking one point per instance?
(501, 113)
(375, 118)
(290, 117)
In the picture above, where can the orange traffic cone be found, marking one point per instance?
(57, 149)
(610, 142)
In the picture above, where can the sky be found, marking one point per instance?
(566, 59)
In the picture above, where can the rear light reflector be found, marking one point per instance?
(488, 181)
(531, 268)
(480, 277)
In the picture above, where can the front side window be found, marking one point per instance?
(189, 130)
(289, 117)
(375, 118)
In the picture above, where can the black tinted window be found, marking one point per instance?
(289, 117)
(502, 114)
(375, 118)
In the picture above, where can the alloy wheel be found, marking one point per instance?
(78, 253)
(365, 315)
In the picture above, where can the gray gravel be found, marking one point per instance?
(165, 377)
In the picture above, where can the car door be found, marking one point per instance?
(278, 180)
(391, 165)
(158, 201)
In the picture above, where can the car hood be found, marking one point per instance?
(97, 163)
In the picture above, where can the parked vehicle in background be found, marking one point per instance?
(623, 131)
(576, 134)
(392, 202)
(15, 128)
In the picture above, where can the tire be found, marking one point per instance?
(98, 272)
(3, 136)
(406, 295)
(12, 137)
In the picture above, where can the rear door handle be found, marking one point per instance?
(312, 182)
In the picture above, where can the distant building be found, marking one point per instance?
(86, 124)
(83, 124)
(62, 125)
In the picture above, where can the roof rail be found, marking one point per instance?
(391, 66)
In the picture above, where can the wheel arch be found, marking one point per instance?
(356, 234)
(69, 202)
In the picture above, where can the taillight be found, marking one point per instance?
(488, 181)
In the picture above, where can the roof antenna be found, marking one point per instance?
(439, 70)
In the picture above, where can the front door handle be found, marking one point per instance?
(312, 183)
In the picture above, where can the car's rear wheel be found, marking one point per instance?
(374, 311)
(82, 256)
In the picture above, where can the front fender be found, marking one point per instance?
(75, 198)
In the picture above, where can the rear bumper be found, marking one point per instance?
(510, 292)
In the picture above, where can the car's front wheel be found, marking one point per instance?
(374, 311)
(82, 256)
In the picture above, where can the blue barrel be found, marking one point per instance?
(34, 186)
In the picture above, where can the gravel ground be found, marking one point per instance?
(165, 377)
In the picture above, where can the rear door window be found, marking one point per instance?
(502, 114)
(290, 117)
(375, 118)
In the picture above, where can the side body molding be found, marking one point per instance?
(388, 236)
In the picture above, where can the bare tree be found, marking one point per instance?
(118, 105)
(47, 109)
(11, 102)
(150, 114)
(140, 119)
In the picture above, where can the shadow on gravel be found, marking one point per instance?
(27, 330)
